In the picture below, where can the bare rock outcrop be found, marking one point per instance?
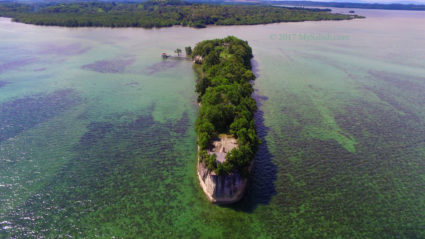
(221, 189)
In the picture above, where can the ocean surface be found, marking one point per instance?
(97, 132)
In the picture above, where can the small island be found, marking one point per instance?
(227, 138)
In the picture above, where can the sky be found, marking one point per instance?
(355, 1)
(372, 1)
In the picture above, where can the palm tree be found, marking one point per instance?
(178, 51)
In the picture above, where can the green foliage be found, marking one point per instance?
(205, 131)
(238, 123)
(203, 155)
(227, 106)
(203, 140)
(212, 162)
(188, 50)
(213, 58)
(158, 14)
(201, 87)
(209, 160)
(178, 51)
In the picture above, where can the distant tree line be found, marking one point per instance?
(227, 107)
(385, 6)
(159, 13)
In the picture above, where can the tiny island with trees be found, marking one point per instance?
(227, 138)
(157, 13)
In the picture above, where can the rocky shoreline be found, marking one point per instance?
(221, 189)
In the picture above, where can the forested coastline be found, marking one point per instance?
(227, 107)
(157, 13)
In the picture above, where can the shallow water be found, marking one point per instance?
(97, 139)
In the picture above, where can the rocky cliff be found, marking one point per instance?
(221, 189)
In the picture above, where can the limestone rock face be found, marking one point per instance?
(221, 189)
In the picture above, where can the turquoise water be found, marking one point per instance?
(97, 138)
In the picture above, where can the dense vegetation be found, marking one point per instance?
(225, 90)
(393, 6)
(158, 13)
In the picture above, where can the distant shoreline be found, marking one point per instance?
(158, 14)
(372, 6)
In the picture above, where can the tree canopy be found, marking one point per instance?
(226, 104)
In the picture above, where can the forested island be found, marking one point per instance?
(157, 13)
(225, 126)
